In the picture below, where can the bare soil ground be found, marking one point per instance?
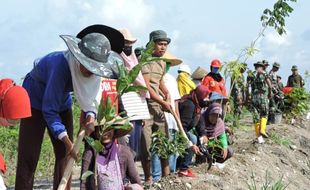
(285, 154)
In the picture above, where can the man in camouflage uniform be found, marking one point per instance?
(261, 93)
(280, 83)
(276, 102)
(295, 80)
(238, 90)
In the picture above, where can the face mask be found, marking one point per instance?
(168, 65)
(203, 103)
(215, 70)
(127, 50)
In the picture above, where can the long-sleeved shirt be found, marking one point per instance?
(49, 85)
(189, 118)
(220, 141)
(126, 161)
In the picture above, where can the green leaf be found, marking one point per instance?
(134, 72)
(95, 144)
(121, 85)
(86, 175)
(137, 88)
(98, 146)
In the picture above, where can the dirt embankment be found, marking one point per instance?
(285, 154)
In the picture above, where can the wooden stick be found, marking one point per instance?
(179, 124)
(68, 170)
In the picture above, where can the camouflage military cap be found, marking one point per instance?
(265, 62)
(259, 63)
(294, 68)
(275, 64)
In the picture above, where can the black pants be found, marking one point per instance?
(29, 147)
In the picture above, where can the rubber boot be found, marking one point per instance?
(257, 129)
(263, 126)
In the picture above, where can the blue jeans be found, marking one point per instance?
(172, 158)
(187, 159)
(156, 167)
(135, 137)
(156, 163)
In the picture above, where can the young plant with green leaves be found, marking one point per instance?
(296, 103)
(274, 18)
(267, 184)
(107, 116)
(164, 147)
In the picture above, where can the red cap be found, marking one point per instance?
(14, 100)
(216, 63)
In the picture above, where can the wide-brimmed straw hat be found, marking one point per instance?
(173, 60)
(94, 52)
(119, 127)
(115, 38)
(128, 36)
(199, 73)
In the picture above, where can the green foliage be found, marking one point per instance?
(164, 147)
(233, 69)
(86, 175)
(296, 103)
(276, 17)
(127, 78)
(276, 138)
(96, 144)
(45, 167)
(267, 184)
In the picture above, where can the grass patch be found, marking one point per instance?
(276, 138)
(45, 167)
(267, 184)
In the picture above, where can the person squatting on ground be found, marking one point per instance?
(261, 91)
(14, 105)
(216, 133)
(114, 165)
(153, 73)
(49, 85)
(190, 108)
(185, 83)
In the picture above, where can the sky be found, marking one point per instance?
(201, 30)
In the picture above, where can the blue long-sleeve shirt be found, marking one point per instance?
(49, 85)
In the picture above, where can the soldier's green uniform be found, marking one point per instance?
(260, 88)
(238, 91)
(260, 99)
(295, 80)
(276, 101)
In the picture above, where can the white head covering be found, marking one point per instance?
(85, 88)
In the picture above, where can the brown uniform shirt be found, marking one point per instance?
(156, 70)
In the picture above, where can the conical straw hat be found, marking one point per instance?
(172, 59)
(199, 73)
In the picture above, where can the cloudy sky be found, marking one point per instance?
(200, 29)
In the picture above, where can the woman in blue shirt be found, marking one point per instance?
(49, 85)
